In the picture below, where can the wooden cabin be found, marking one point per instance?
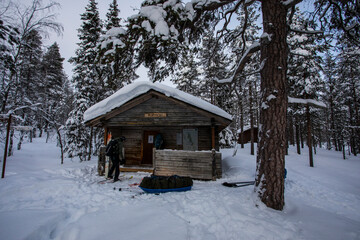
(247, 135)
(189, 127)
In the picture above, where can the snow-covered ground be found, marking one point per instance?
(41, 199)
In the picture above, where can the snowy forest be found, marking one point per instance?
(290, 68)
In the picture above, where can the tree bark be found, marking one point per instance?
(309, 137)
(271, 148)
(297, 133)
(61, 145)
(252, 150)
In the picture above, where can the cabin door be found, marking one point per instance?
(148, 145)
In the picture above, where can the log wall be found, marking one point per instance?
(134, 140)
(194, 164)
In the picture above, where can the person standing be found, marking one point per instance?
(115, 151)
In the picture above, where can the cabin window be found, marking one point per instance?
(190, 139)
(179, 139)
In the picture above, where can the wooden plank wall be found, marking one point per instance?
(134, 138)
(176, 115)
(194, 164)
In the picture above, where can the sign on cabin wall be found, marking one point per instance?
(155, 115)
(190, 139)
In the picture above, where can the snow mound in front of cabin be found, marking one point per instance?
(138, 88)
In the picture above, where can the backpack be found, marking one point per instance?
(112, 148)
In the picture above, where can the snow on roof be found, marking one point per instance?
(136, 89)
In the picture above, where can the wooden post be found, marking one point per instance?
(212, 137)
(213, 133)
(154, 159)
(105, 136)
(213, 151)
(213, 156)
(6, 146)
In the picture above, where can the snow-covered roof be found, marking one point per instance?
(136, 89)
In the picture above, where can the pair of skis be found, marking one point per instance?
(238, 184)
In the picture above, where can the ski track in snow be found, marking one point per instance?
(41, 199)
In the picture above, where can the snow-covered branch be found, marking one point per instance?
(307, 101)
(291, 3)
(300, 31)
(246, 57)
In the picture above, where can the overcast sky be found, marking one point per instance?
(69, 17)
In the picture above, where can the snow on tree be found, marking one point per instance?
(88, 83)
(114, 62)
(112, 16)
(55, 93)
(304, 80)
(348, 77)
(22, 28)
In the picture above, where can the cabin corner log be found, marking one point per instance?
(194, 164)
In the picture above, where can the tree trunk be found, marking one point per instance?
(90, 143)
(11, 142)
(272, 140)
(252, 150)
(21, 138)
(297, 133)
(241, 104)
(301, 136)
(309, 142)
(291, 130)
(60, 144)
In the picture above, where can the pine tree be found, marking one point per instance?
(332, 96)
(112, 16)
(88, 83)
(348, 77)
(29, 75)
(115, 63)
(56, 93)
(214, 64)
(187, 76)
(14, 31)
(304, 79)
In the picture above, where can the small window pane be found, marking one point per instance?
(190, 139)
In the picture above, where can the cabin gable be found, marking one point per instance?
(156, 110)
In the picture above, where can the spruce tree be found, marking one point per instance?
(214, 64)
(112, 16)
(187, 76)
(30, 74)
(349, 83)
(56, 94)
(88, 83)
(115, 63)
(304, 79)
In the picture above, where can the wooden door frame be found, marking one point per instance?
(144, 142)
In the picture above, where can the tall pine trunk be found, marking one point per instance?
(252, 150)
(271, 148)
(309, 135)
